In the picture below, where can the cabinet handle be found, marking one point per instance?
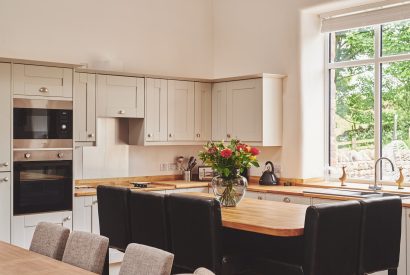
(6, 164)
(5, 179)
(43, 90)
(259, 197)
(94, 202)
(121, 112)
(66, 219)
(149, 135)
(286, 199)
(198, 135)
(228, 135)
(170, 135)
(91, 135)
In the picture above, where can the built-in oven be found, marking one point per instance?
(39, 123)
(43, 181)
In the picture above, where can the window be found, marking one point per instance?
(369, 100)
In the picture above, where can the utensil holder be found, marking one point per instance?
(187, 176)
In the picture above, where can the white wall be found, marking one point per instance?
(150, 36)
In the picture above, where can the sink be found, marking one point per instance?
(352, 193)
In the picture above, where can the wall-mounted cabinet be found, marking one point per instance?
(84, 107)
(120, 96)
(249, 110)
(156, 110)
(203, 111)
(42, 81)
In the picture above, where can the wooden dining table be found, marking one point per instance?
(15, 260)
(272, 218)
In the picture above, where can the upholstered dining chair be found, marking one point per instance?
(200, 271)
(50, 240)
(87, 251)
(145, 260)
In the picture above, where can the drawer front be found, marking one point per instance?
(255, 195)
(316, 201)
(289, 199)
(56, 217)
(42, 81)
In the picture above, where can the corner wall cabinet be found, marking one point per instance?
(84, 107)
(120, 96)
(249, 110)
(42, 81)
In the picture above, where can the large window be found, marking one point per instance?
(369, 100)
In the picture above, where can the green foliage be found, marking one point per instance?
(355, 85)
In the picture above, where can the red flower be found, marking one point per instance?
(255, 151)
(226, 153)
(240, 146)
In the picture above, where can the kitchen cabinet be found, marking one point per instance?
(219, 104)
(316, 201)
(203, 111)
(5, 206)
(23, 227)
(84, 107)
(249, 110)
(288, 198)
(85, 214)
(120, 96)
(255, 195)
(42, 81)
(156, 110)
(5, 117)
(181, 112)
(185, 190)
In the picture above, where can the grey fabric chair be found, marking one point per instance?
(145, 260)
(87, 251)
(203, 271)
(50, 240)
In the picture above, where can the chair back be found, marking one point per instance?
(145, 260)
(113, 213)
(331, 239)
(50, 240)
(87, 251)
(148, 219)
(380, 234)
(195, 226)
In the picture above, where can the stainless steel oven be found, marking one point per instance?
(42, 123)
(43, 181)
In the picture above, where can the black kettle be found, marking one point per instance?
(268, 177)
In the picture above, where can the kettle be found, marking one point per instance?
(268, 177)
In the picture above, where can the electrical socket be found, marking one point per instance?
(163, 167)
(172, 166)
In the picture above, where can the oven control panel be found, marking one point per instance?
(40, 155)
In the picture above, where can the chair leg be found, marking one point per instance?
(106, 270)
(392, 271)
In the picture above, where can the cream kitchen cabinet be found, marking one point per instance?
(181, 110)
(22, 227)
(42, 81)
(156, 114)
(316, 201)
(120, 96)
(249, 110)
(288, 198)
(203, 111)
(85, 214)
(84, 107)
(255, 195)
(5, 206)
(5, 117)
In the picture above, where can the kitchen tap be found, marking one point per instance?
(375, 187)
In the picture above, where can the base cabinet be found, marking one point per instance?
(187, 190)
(23, 227)
(85, 214)
(5, 206)
(255, 195)
(288, 199)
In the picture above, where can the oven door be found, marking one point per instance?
(42, 186)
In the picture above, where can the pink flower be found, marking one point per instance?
(240, 146)
(226, 153)
(255, 151)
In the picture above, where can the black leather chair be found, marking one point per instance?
(330, 245)
(113, 212)
(195, 226)
(380, 235)
(148, 220)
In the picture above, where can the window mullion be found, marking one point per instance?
(377, 96)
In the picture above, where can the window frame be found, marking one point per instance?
(377, 61)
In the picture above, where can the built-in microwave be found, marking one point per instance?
(41, 123)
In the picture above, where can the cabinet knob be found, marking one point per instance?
(6, 164)
(286, 199)
(66, 219)
(198, 135)
(170, 135)
(121, 112)
(43, 90)
(94, 202)
(5, 179)
(27, 155)
(91, 135)
(149, 135)
(259, 197)
(60, 155)
(228, 135)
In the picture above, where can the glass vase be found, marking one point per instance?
(229, 191)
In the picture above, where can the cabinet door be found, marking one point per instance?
(181, 115)
(120, 96)
(84, 107)
(289, 199)
(5, 117)
(316, 201)
(203, 111)
(82, 213)
(5, 206)
(42, 81)
(156, 110)
(244, 110)
(219, 112)
(95, 222)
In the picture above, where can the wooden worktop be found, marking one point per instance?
(17, 261)
(264, 217)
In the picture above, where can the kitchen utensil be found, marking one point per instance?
(191, 160)
(268, 177)
(187, 176)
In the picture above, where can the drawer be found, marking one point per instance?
(42, 81)
(255, 195)
(56, 217)
(289, 199)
